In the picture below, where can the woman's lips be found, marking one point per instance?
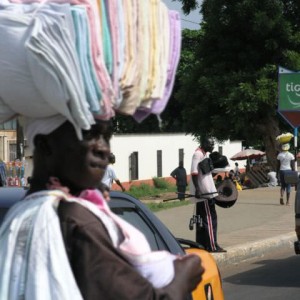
(99, 165)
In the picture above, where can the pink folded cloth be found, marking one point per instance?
(156, 266)
(174, 55)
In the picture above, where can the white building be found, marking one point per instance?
(141, 157)
(144, 156)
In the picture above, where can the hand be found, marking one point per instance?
(194, 268)
(188, 274)
(197, 193)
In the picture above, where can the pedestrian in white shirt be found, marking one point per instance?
(110, 174)
(285, 162)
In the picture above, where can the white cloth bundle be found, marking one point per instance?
(86, 59)
(32, 253)
(39, 57)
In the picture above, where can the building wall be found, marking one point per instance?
(147, 145)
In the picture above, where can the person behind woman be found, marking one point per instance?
(285, 162)
(110, 175)
(179, 174)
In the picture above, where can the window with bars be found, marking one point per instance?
(134, 166)
(159, 163)
(180, 155)
(220, 150)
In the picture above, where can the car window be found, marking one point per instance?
(3, 211)
(132, 216)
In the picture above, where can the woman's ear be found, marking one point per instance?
(42, 145)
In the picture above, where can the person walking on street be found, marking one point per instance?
(285, 162)
(236, 169)
(179, 174)
(237, 172)
(110, 174)
(204, 189)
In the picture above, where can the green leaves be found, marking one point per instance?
(230, 89)
(188, 5)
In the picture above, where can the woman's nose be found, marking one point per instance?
(101, 147)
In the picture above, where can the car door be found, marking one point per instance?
(138, 215)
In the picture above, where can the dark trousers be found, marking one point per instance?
(206, 235)
(181, 190)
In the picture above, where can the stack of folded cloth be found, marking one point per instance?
(86, 59)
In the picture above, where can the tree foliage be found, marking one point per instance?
(231, 91)
(188, 5)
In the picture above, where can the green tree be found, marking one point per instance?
(231, 93)
(188, 5)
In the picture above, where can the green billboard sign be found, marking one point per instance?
(289, 96)
(289, 91)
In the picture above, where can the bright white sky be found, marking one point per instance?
(190, 21)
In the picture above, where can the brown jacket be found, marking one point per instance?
(100, 270)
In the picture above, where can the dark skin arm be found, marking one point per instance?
(277, 169)
(187, 276)
(196, 185)
(120, 185)
(293, 165)
(173, 174)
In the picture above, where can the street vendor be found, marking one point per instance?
(285, 163)
(62, 241)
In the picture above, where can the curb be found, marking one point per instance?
(241, 253)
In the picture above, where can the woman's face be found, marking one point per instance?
(80, 164)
